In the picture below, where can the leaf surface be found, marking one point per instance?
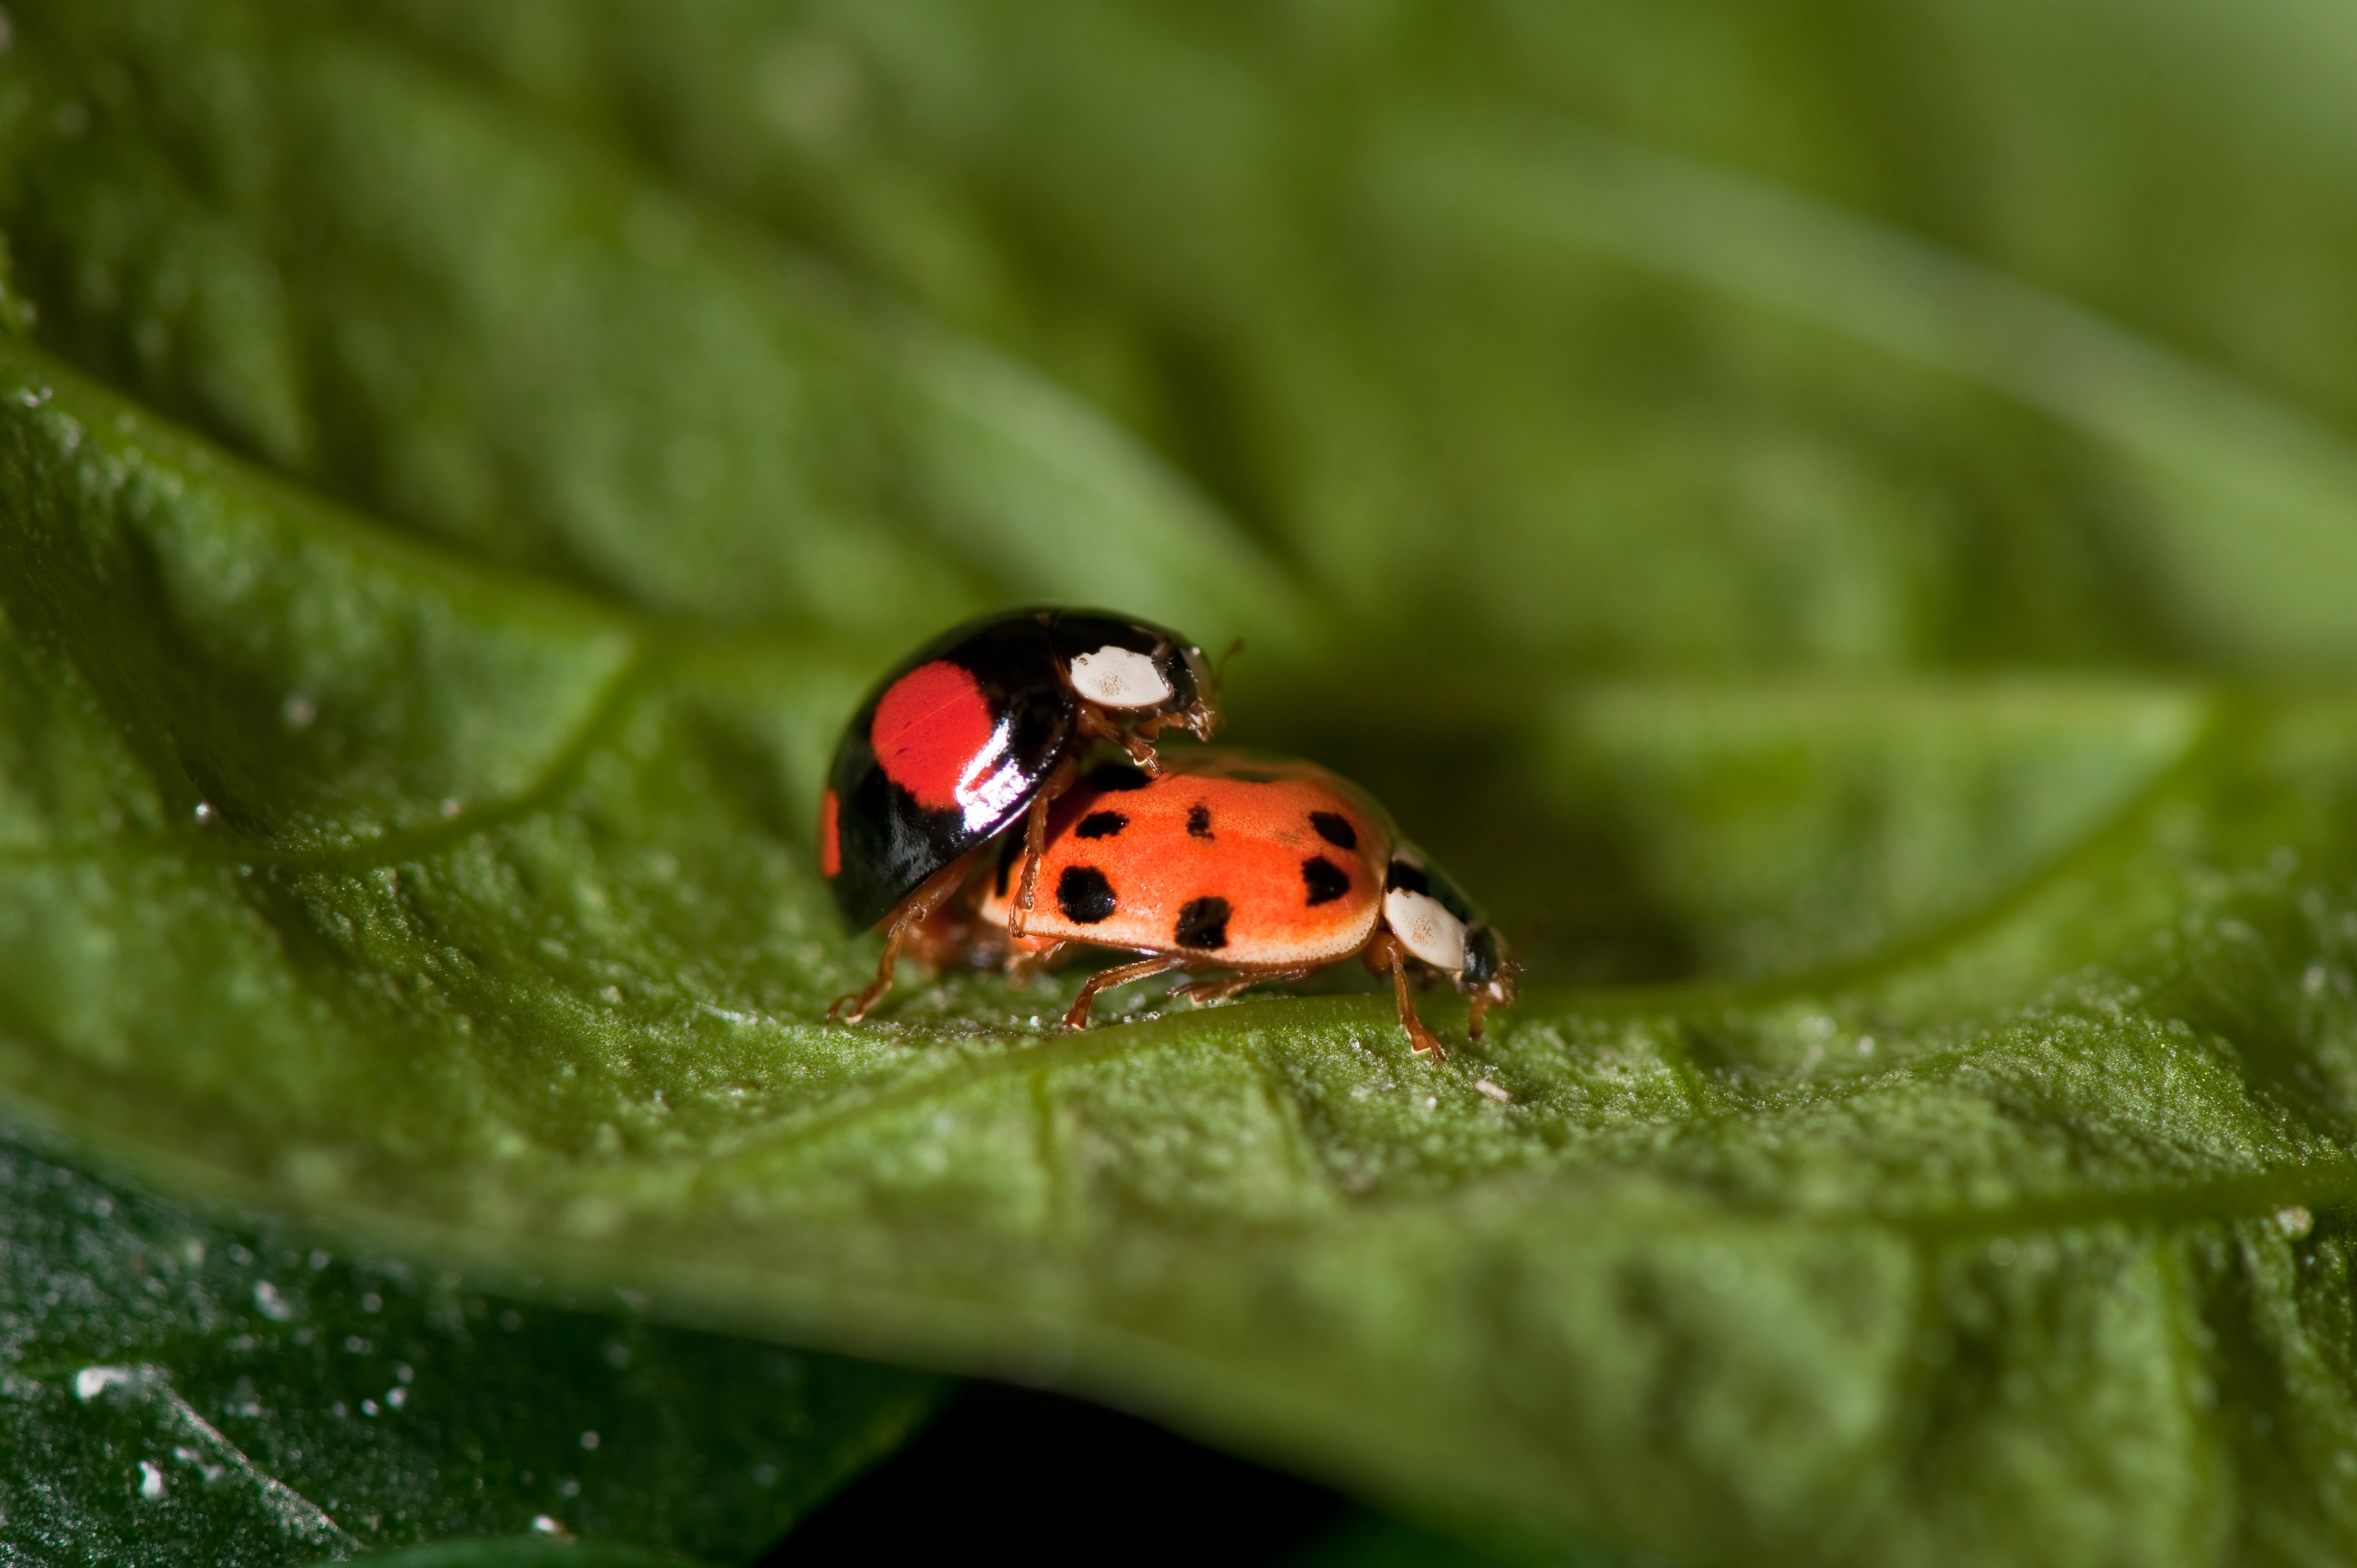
(406, 821)
(2013, 1191)
(175, 1391)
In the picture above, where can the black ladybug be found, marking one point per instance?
(972, 731)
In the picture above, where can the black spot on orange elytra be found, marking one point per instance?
(1198, 821)
(1084, 896)
(1325, 880)
(1100, 825)
(1203, 924)
(1335, 829)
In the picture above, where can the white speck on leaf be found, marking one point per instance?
(151, 1386)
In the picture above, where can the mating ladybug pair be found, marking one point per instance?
(1205, 860)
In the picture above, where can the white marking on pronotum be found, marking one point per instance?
(1425, 925)
(1118, 678)
(152, 1385)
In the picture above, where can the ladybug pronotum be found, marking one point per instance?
(979, 729)
(1267, 870)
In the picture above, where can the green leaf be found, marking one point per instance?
(175, 1391)
(380, 279)
(1611, 334)
(1999, 1209)
(1971, 1181)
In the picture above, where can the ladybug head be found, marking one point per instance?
(1488, 971)
(1139, 673)
(1439, 925)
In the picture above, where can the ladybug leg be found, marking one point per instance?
(1094, 725)
(1141, 752)
(1386, 951)
(1204, 992)
(1077, 1016)
(1034, 842)
(914, 912)
(1499, 993)
(1022, 963)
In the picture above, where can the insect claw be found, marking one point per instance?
(1141, 752)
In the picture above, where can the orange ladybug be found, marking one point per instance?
(1268, 870)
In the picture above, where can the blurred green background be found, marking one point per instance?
(1837, 521)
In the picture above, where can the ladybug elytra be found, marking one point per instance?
(1267, 870)
(979, 729)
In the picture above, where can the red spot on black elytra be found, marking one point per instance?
(1100, 825)
(1335, 829)
(1325, 880)
(1203, 924)
(930, 728)
(1198, 821)
(1084, 896)
(830, 838)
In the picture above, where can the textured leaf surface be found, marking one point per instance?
(2006, 1201)
(1611, 335)
(178, 1392)
(1742, 591)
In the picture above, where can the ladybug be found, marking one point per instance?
(982, 724)
(1268, 870)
